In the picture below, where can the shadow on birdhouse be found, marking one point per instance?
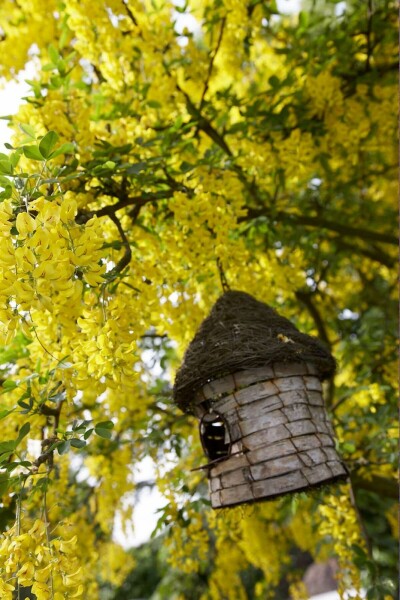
(254, 382)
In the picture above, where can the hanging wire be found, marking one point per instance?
(224, 282)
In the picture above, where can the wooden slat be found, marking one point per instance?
(318, 473)
(307, 442)
(297, 412)
(285, 384)
(245, 378)
(321, 427)
(215, 484)
(279, 485)
(289, 369)
(199, 410)
(263, 422)
(278, 466)
(326, 440)
(330, 453)
(315, 398)
(337, 468)
(275, 450)
(255, 392)
(301, 427)
(230, 464)
(262, 438)
(237, 494)
(215, 500)
(317, 455)
(238, 477)
(259, 407)
(312, 369)
(312, 383)
(318, 413)
(226, 404)
(225, 385)
(295, 396)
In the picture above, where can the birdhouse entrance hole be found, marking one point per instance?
(215, 438)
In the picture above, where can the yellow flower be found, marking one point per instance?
(41, 590)
(6, 590)
(25, 224)
(25, 575)
(42, 575)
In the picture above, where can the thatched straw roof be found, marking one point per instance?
(243, 333)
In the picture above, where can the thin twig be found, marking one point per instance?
(126, 259)
(211, 64)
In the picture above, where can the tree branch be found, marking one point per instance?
(377, 484)
(305, 298)
(111, 209)
(211, 64)
(373, 253)
(126, 259)
(366, 234)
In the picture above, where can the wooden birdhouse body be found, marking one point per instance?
(280, 438)
(254, 382)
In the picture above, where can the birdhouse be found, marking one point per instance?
(254, 382)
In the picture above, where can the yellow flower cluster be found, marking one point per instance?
(30, 558)
(115, 482)
(258, 531)
(338, 521)
(48, 255)
(187, 546)
(296, 155)
(23, 24)
(324, 94)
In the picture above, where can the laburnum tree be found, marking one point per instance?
(151, 167)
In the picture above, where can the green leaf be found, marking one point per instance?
(6, 167)
(9, 385)
(7, 193)
(4, 483)
(348, 447)
(110, 164)
(7, 446)
(32, 152)
(25, 429)
(78, 443)
(105, 425)
(4, 413)
(88, 433)
(63, 447)
(53, 54)
(136, 168)
(47, 144)
(104, 433)
(67, 148)
(29, 130)
(15, 156)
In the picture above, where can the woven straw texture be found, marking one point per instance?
(243, 333)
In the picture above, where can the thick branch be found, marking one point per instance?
(320, 222)
(373, 253)
(305, 298)
(111, 209)
(377, 484)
